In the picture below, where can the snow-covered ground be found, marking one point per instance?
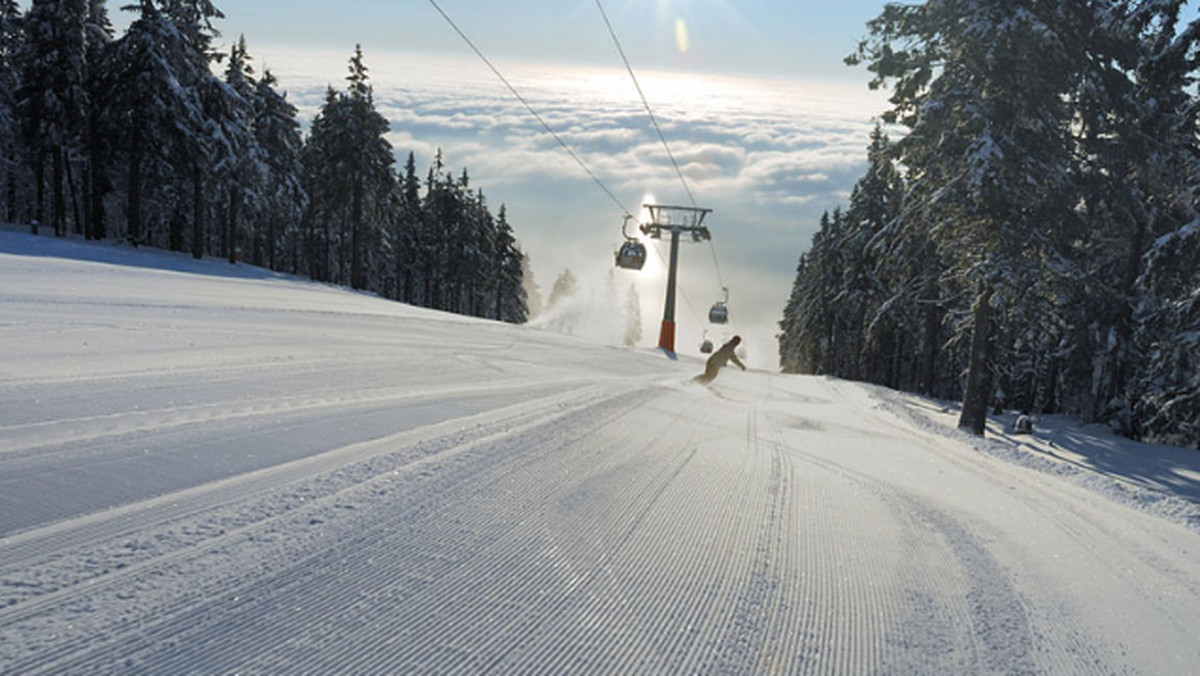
(212, 469)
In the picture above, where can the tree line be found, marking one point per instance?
(1031, 239)
(156, 138)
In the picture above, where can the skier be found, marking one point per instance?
(719, 359)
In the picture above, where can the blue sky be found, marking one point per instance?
(768, 123)
(776, 37)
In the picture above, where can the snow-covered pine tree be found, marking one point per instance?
(407, 230)
(241, 167)
(1138, 120)
(277, 133)
(481, 260)
(324, 186)
(98, 35)
(153, 119)
(52, 96)
(510, 293)
(11, 44)
(368, 159)
(438, 209)
(982, 85)
(194, 20)
(1167, 403)
(348, 177)
(790, 350)
(875, 201)
(814, 339)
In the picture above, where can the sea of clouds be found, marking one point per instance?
(767, 155)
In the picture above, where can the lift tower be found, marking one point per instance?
(675, 220)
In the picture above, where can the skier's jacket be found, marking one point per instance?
(722, 357)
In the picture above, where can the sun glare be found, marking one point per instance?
(681, 36)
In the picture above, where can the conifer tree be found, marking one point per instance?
(11, 44)
(241, 167)
(277, 134)
(989, 147)
(152, 119)
(98, 35)
(406, 242)
(53, 95)
(510, 295)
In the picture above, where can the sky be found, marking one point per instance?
(767, 123)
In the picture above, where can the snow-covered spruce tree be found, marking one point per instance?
(277, 133)
(1167, 403)
(870, 321)
(152, 119)
(98, 150)
(241, 167)
(194, 20)
(982, 86)
(463, 227)
(319, 158)
(52, 96)
(790, 349)
(814, 337)
(439, 208)
(406, 233)
(1138, 119)
(510, 295)
(480, 269)
(11, 40)
(208, 150)
(348, 176)
(368, 160)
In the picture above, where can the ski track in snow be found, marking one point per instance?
(276, 477)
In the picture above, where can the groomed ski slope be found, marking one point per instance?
(210, 469)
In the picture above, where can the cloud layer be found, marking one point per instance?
(768, 156)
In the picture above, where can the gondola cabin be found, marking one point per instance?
(631, 255)
(706, 347)
(719, 314)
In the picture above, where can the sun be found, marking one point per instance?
(681, 36)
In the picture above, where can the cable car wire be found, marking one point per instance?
(662, 137)
(654, 120)
(574, 156)
(528, 107)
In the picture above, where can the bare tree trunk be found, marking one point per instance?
(135, 185)
(39, 207)
(10, 186)
(231, 235)
(356, 224)
(77, 221)
(59, 213)
(979, 374)
(932, 321)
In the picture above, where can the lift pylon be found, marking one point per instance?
(676, 221)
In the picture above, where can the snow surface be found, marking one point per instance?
(213, 469)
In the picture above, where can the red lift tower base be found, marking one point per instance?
(666, 336)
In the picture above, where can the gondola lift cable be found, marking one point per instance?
(720, 308)
(530, 108)
(642, 95)
(574, 156)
